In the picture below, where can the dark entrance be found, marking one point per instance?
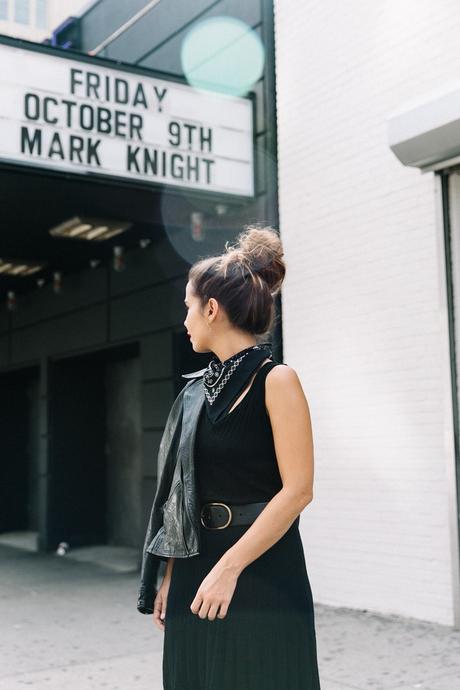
(19, 466)
(90, 475)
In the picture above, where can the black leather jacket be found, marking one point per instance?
(173, 526)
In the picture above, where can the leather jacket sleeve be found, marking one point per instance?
(153, 566)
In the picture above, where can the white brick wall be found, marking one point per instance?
(361, 302)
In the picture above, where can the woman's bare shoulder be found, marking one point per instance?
(283, 383)
(282, 372)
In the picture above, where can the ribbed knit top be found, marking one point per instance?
(235, 457)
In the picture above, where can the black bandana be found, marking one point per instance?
(224, 381)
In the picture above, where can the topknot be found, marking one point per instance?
(259, 251)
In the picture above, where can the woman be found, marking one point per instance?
(239, 615)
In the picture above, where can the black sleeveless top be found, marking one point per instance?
(235, 460)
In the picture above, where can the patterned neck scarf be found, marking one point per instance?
(224, 381)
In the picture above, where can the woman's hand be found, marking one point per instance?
(216, 590)
(161, 600)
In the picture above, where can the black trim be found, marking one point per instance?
(271, 119)
(444, 174)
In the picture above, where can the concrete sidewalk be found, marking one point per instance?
(74, 624)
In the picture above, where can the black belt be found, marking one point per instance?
(215, 515)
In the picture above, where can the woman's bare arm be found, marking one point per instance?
(169, 567)
(291, 424)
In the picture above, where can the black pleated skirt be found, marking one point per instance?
(267, 639)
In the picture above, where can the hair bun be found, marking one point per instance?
(261, 250)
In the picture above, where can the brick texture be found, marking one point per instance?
(361, 298)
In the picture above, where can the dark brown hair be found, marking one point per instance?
(244, 279)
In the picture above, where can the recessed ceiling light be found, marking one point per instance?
(18, 267)
(79, 229)
(84, 228)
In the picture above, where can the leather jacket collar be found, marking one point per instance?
(173, 528)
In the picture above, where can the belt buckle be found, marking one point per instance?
(215, 503)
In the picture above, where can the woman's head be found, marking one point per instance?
(234, 292)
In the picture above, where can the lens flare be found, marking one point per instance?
(222, 54)
(219, 219)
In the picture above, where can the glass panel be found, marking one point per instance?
(3, 9)
(40, 14)
(21, 11)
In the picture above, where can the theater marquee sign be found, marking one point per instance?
(83, 117)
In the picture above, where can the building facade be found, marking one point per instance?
(369, 214)
(35, 20)
(92, 341)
